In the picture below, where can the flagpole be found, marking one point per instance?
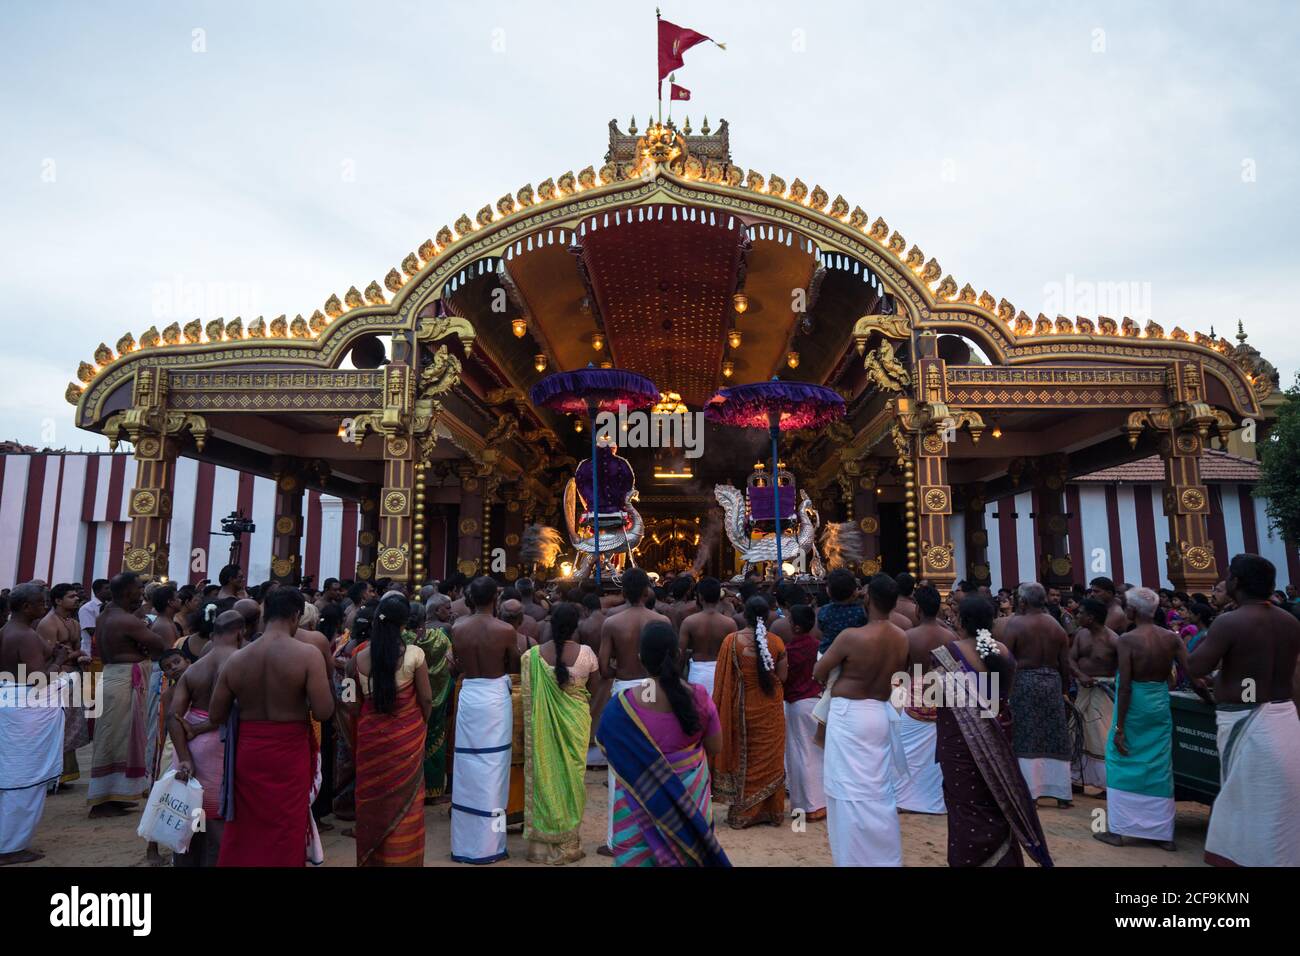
(660, 82)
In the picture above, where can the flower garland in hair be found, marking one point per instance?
(210, 613)
(760, 639)
(984, 643)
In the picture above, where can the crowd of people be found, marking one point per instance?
(852, 700)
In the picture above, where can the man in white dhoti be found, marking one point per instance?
(1254, 821)
(31, 724)
(703, 632)
(486, 650)
(1094, 664)
(804, 765)
(920, 789)
(862, 745)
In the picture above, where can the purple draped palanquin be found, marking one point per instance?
(614, 483)
(595, 390)
(777, 406)
(761, 498)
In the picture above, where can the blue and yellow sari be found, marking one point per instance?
(661, 811)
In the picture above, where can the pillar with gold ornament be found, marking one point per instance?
(286, 537)
(970, 498)
(933, 504)
(367, 533)
(395, 558)
(1191, 559)
(1051, 523)
(156, 432)
(469, 529)
(150, 507)
(866, 513)
(513, 528)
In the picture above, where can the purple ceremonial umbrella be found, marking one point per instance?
(777, 406)
(594, 390)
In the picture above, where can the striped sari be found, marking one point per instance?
(662, 813)
(557, 726)
(390, 783)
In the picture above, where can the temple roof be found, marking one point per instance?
(1216, 466)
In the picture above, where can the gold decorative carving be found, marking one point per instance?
(869, 525)
(139, 560)
(396, 502)
(468, 526)
(284, 525)
(1192, 499)
(938, 557)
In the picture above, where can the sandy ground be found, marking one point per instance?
(69, 838)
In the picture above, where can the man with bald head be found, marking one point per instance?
(1140, 751)
(1041, 735)
(200, 750)
(31, 731)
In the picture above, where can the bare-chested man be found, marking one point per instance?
(619, 655)
(200, 751)
(1254, 649)
(589, 627)
(251, 612)
(1042, 652)
(906, 606)
(701, 634)
(1094, 662)
(31, 736)
(486, 652)
(512, 612)
(528, 598)
(1103, 590)
(60, 625)
(1139, 755)
(921, 790)
(129, 647)
(272, 688)
(861, 806)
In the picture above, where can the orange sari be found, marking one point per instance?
(390, 783)
(749, 771)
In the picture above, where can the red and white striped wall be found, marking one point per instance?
(63, 517)
(1120, 531)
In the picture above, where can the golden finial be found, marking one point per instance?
(298, 328)
(193, 332)
(411, 265)
(858, 218)
(1006, 311)
(546, 189)
(86, 372)
(897, 243)
(353, 298)
(126, 344)
(257, 328)
(235, 329)
(839, 207)
(444, 237)
(775, 185)
(587, 177)
(567, 184)
(798, 190)
(819, 198)
(214, 330)
(393, 281)
(333, 307)
(931, 272)
(968, 294)
(150, 338)
(374, 294)
(319, 322)
(704, 130)
(525, 195)
(172, 334)
(279, 327)
(686, 130)
(879, 230)
(754, 181)
(947, 288)
(987, 302)
(1241, 332)
(463, 226)
(427, 251)
(631, 125)
(506, 204)
(72, 394)
(484, 216)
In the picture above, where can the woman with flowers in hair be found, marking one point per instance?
(749, 770)
(393, 684)
(990, 813)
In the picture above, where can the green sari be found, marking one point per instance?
(557, 727)
(436, 644)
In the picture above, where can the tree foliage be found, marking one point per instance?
(1279, 481)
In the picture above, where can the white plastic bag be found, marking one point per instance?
(174, 811)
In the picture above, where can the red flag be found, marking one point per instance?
(673, 42)
(676, 92)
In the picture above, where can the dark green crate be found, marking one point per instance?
(1196, 750)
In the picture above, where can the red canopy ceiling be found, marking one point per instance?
(663, 277)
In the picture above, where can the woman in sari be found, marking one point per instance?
(393, 687)
(990, 813)
(436, 646)
(557, 726)
(658, 739)
(749, 770)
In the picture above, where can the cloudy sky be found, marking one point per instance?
(167, 161)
